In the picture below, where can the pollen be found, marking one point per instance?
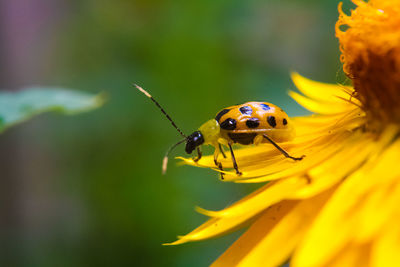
(370, 44)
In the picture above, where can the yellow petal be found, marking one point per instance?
(319, 124)
(332, 230)
(351, 255)
(328, 173)
(316, 153)
(336, 223)
(377, 209)
(321, 150)
(244, 210)
(381, 194)
(263, 226)
(321, 91)
(273, 193)
(386, 249)
(270, 247)
(320, 107)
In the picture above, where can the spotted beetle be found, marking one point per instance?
(246, 124)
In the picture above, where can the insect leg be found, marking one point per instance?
(199, 154)
(218, 164)
(222, 151)
(281, 149)
(234, 161)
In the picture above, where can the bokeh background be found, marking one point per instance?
(87, 190)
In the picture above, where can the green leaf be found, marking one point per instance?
(16, 107)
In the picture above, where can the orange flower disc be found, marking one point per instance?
(370, 45)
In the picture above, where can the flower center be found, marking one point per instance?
(370, 45)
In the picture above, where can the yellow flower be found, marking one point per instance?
(339, 206)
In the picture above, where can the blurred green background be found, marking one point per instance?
(88, 190)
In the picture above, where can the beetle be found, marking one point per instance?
(245, 124)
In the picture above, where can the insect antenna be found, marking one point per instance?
(165, 160)
(162, 110)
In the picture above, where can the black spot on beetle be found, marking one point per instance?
(228, 124)
(221, 113)
(271, 121)
(252, 123)
(265, 107)
(246, 110)
(284, 121)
